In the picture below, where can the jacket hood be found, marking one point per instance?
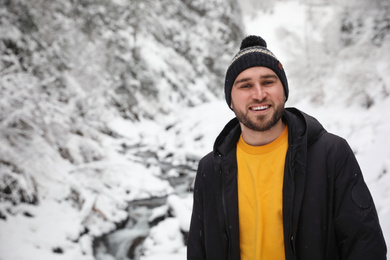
(301, 126)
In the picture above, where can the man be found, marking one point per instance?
(277, 185)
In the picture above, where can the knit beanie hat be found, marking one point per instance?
(253, 52)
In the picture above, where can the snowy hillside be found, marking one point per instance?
(106, 108)
(86, 89)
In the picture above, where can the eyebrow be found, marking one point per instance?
(241, 81)
(267, 76)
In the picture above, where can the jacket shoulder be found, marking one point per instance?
(335, 143)
(206, 160)
(205, 168)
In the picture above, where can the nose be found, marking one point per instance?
(258, 92)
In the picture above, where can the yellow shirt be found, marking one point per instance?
(260, 200)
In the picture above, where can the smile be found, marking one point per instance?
(259, 108)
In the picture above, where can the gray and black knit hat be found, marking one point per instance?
(253, 52)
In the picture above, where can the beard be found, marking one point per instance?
(260, 123)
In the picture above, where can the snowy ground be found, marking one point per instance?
(56, 225)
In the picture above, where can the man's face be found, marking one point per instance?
(258, 98)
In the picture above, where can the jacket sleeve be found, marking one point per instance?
(359, 235)
(196, 241)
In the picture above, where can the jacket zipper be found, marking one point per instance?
(292, 235)
(224, 207)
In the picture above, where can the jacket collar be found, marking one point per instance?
(302, 129)
(228, 138)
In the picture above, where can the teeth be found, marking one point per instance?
(258, 108)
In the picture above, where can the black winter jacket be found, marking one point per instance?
(328, 211)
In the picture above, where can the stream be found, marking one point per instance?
(126, 243)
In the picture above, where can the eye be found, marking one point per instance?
(245, 86)
(268, 82)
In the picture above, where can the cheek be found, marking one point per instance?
(233, 99)
(238, 97)
(236, 101)
(279, 94)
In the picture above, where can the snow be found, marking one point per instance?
(165, 238)
(107, 173)
(181, 210)
(365, 131)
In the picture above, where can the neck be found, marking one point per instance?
(257, 138)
